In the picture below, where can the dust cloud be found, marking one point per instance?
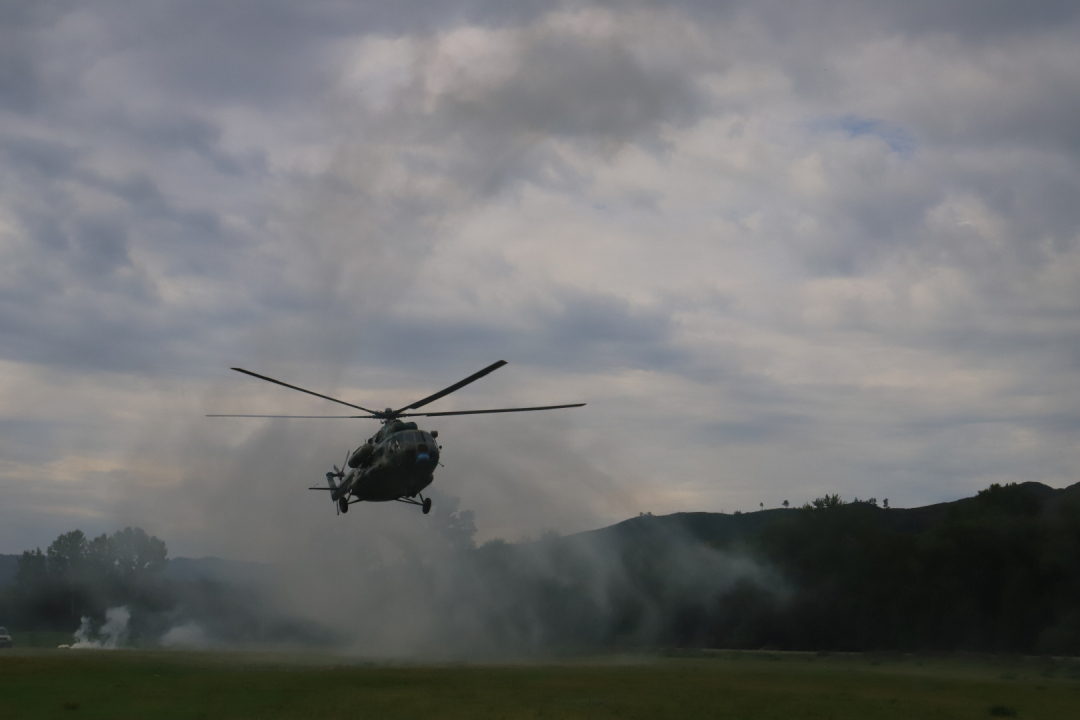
(427, 592)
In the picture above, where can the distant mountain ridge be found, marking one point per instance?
(726, 529)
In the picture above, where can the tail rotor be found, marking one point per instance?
(334, 487)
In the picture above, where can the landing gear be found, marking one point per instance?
(343, 504)
(423, 502)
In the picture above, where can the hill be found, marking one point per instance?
(997, 572)
(723, 529)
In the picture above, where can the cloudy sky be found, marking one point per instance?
(779, 249)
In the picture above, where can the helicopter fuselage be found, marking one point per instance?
(399, 461)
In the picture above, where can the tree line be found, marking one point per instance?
(78, 576)
(999, 572)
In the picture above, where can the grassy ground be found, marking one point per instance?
(146, 684)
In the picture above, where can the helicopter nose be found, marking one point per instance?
(422, 458)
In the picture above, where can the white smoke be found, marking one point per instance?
(647, 584)
(111, 635)
(185, 637)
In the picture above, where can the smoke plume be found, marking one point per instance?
(111, 635)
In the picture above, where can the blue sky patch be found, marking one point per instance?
(898, 139)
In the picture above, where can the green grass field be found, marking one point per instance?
(157, 684)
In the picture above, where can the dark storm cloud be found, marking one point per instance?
(72, 295)
(1010, 104)
(49, 169)
(571, 329)
(485, 137)
(270, 52)
(461, 146)
(193, 134)
(42, 160)
(146, 202)
(21, 22)
(606, 330)
(978, 19)
(253, 51)
(102, 246)
(973, 19)
(571, 86)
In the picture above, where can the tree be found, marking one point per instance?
(785, 503)
(76, 576)
(32, 570)
(67, 554)
(827, 502)
(135, 553)
(99, 555)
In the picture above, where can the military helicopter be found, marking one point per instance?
(398, 462)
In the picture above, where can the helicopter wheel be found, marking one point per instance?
(343, 504)
(427, 505)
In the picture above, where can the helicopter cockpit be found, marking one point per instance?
(416, 440)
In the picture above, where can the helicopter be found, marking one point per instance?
(398, 462)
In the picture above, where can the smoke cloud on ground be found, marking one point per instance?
(111, 634)
(426, 591)
(419, 587)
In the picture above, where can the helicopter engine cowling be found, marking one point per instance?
(361, 456)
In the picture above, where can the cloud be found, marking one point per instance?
(779, 251)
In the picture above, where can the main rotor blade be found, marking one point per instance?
(310, 417)
(500, 410)
(452, 388)
(324, 397)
